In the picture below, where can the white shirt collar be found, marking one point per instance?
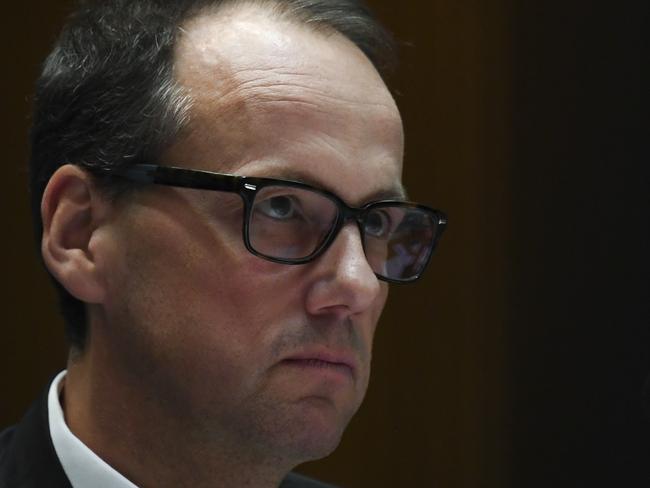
(82, 466)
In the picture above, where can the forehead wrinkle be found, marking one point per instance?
(275, 84)
(295, 101)
(244, 97)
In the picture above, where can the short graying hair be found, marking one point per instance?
(107, 97)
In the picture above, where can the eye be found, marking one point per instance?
(377, 224)
(280, 207)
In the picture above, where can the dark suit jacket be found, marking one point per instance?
(28, 459)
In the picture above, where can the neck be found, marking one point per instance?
(135, 432)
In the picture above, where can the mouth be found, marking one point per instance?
(324, 362)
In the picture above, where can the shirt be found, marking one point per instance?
(82, 466)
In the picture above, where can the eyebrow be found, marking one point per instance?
(396, 192)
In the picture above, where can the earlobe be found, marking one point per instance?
(70, 210)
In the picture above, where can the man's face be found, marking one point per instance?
(238, 348)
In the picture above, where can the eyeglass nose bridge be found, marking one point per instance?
(357, 215)
(346, 214)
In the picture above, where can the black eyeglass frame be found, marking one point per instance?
(247, 188)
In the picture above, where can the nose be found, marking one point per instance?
(343, 284)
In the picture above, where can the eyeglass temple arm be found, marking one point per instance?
(188, 178)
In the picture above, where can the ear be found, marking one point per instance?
(71, 210)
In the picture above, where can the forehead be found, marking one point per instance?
(248, 42)
(272, 96)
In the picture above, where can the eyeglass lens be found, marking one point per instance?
(291, 223)
(398, 240)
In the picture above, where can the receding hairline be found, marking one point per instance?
(278, 9)
(227, 92)
(222, 13)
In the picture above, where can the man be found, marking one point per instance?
(220, 326)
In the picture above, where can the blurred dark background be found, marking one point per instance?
(520, 359)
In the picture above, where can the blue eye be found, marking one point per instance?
(281, 207)
(377, 224)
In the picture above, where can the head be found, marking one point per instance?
(156, 280)
(108, 96)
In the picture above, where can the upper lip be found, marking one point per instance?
(334, 356)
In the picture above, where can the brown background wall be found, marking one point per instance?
(520, 358)
(580, 302)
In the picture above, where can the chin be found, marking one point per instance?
(316, 429)
(315, 444)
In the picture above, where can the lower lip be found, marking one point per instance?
(320, 367)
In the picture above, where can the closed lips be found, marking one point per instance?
(331, 361)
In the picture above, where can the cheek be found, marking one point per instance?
(196, 322)
(375, 312)
(187, 287)
(369, 327)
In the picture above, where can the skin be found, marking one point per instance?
(184, 379)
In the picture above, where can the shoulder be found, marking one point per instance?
(27, 456)
(295, 480)
(6, 450)
(6, 437)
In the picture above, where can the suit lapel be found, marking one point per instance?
(29, 459)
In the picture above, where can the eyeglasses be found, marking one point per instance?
(294, 223)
